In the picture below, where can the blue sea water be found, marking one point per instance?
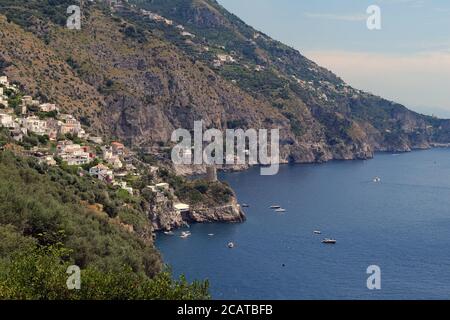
(401, 224)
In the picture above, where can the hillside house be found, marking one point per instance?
(115, 162)
(118, 148)
(102, 172)
(70, 125)
(48, 160)
(225, 58)
(35, 125)
(187, 34)
(3, 98)
(48, 107)
(29, 101)
(162, 186)
(6, 120)
(181, 207)
(4, 80)
(73, 154)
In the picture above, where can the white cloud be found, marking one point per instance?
(412, 3)
(417, 80)
(331, 16)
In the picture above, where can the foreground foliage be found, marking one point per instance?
(40, 273)
(48, 222)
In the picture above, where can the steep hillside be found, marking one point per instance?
(150, 88)
(51, 219)
(39, 70)
(269, 69)
(137, 77)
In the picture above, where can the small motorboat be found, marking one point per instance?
(275, 207)
(185, 234)
(329, 241)
(280, 210)
(244, 205)
(230, 245)
(317, 232)
(377, 179)
(210, 234)
(169, 233)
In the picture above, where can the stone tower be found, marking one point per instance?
(211, 173)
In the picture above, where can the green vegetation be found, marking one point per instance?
(39, 273)
(22, 12)
(198, 191)
(50, 218)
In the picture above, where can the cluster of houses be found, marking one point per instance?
(156, 17)
(112, 162)
(4, 86)
(222, 59)
(57, 126)
(29, 122)
(74, 154)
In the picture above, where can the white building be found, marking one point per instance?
(107, 153)
(35, 125)
(153, 169)
(73, 154)
(29, 101)
(6, 120)
(48, 107)
(77, 160)
(102, 172)
(4, 80)
(181, 207)
(3, 99)
(115, 162)
(187, 34)
(48, 160)
(162, 186)
(70, 125)
(225, 58)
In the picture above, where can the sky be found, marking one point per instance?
(407, 60)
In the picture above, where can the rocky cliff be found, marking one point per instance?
(229, 213)
(168, 219)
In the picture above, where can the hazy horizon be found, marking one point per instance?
(407, 61)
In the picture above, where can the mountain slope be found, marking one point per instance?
(141, 78)
(386, 125)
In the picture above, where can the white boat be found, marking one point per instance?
(210, 234)
(329, 241)
(377, 179)
(280, 210)
(275, 207)
(169, 233)
(185, 234)
(317, 232)
(231, 245)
